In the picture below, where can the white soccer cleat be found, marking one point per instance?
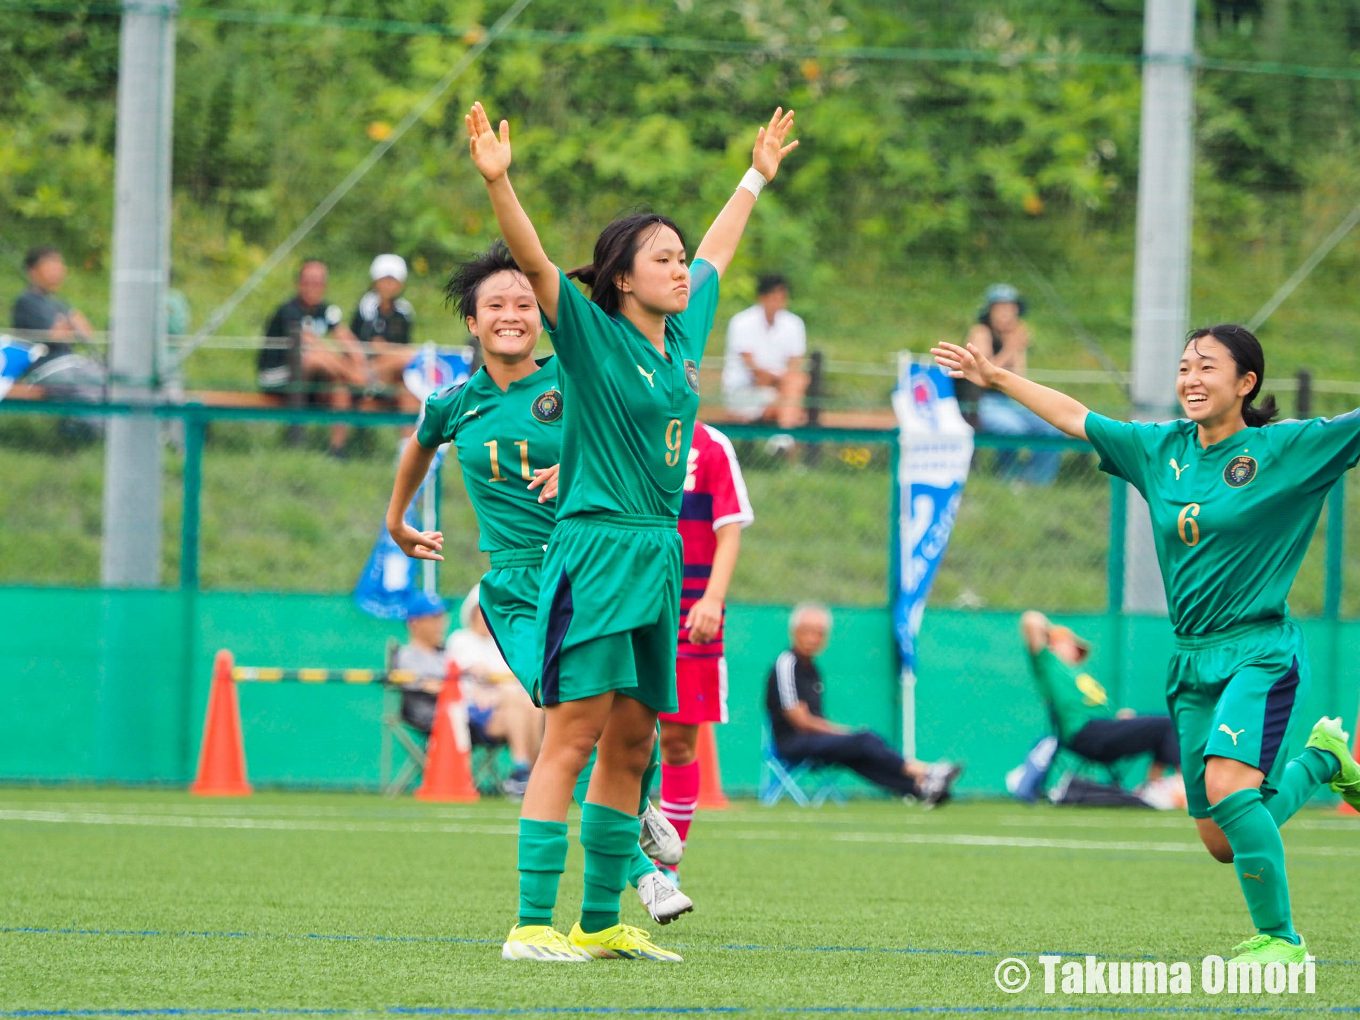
(659, 840)
(663, 901)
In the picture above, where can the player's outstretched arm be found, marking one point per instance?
(1058, 409)
(720, 243)
(411, 471)
(491, 156)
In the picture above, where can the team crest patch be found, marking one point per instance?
(547, 406)
(692, 375)
(1240, 471)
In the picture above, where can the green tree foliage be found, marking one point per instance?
(927, 128)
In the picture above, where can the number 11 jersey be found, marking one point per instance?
(501, 439)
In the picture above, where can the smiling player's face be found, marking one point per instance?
(507, 321)
(659, 280)
(1208, 385)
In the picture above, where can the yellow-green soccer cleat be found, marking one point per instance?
(542, 943)
(1269, 949)
(1328, 735)
(621, 942)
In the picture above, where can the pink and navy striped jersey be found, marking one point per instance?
(715, 494)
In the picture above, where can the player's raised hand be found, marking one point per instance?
(704, 619)
(545, 478)
(419, 545)
(490, 154)
(770, 148)
(966, 363)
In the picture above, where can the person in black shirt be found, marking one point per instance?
(332, 362)
(801, 731)
(49, 320)
(385, 322)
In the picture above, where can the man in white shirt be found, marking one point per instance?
(762, 371)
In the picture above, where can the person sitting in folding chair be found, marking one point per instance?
(1087, 724)
(498, 705)
(801, 732)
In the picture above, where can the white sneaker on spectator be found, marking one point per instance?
(663, 901)
(659, 840)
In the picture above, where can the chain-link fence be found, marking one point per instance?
(272, 509)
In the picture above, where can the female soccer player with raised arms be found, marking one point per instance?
(506, 426)
(629, 368)
(1234, 502)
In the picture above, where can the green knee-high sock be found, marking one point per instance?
(610, 840)
(542, 859)
(1302, 777)
(582, 787)
(1258, 856)
(649, 776)
(640, 864)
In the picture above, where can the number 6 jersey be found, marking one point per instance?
(1231, 522)
(501, 439)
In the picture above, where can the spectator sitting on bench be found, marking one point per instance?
(65, 374)
(1085, 722)
(385, 321)
(793, 698)
(762, 378)
(497, 704)
(331, 361)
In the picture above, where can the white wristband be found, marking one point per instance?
(753, 181)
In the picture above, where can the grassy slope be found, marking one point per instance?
(874, 905)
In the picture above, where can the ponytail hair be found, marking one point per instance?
(1248, 356)
(615, 251)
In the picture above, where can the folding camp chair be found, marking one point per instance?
(780, 778)
(395, 730)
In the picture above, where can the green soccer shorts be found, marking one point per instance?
(509, 600)
(609, 609)
(1236, 694)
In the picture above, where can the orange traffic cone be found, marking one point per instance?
(222, 757)
(711, 796)
(448, 764)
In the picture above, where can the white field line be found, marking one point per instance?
(58, 817)
(398, 812)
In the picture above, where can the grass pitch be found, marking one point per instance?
(154, 903)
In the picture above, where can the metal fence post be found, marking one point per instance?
(1114, 604)
(195, 432)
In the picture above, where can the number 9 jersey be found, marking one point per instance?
(1231, 523)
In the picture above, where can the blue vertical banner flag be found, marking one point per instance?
(390, 577)
(936, 450)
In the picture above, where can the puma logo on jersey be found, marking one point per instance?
(648, 376)
(1223, 728)
(469, 414)
(1177, 468)
(1257, 876)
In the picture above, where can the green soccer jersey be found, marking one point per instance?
(1231, 523)
(501, 439)
(1074, 696)
(630, 408)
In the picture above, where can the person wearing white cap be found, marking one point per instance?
(385, 323)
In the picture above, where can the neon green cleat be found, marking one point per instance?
(621, 942)
(1328, 735)
(542, 943)
(1269, 949)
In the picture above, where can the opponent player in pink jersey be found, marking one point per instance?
(713, 511)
